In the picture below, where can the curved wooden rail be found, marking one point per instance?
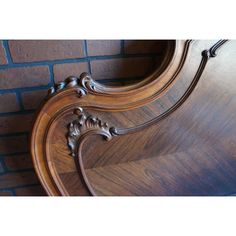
(153, 129)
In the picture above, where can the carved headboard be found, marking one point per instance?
(173, 133)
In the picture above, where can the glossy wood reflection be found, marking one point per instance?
(174, 135)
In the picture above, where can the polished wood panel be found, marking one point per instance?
(174, 133)
(177, 174)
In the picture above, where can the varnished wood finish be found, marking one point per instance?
(174, 133)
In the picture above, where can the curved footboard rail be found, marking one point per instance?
(171, 134)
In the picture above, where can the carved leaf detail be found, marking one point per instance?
(69, 82)
(85, 125)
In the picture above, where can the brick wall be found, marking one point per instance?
(29, 68)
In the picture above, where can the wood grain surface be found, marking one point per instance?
(172, 134)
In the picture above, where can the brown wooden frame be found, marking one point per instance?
(77, 96)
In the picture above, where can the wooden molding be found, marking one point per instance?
(65, 124)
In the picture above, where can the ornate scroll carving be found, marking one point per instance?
(69, 82)
(85, 125)
(86, 84)
(50, 119)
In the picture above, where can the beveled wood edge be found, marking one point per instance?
(88, 84)
(124, 101)
(206, 55)
(112, 131)
(41, 168)
(37, 154)
(172, 49)
(172, 62)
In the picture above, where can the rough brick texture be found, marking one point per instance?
(14, 179)
(3, 59)
(44, 50)
(24, 77)
(121, 68)
(102, 47)
(31, 191)
(15, 124)
(28, 68)
(143, 46)
(9, 145)
(32, 99)
(10, 99)
(18, 162)
(62, 71)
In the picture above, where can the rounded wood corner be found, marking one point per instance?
(64, 116)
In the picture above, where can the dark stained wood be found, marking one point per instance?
(174, 133)
(177, 174)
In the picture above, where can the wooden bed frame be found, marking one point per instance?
(173, 133)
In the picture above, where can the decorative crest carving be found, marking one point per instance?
(88, 83)
(84, 84)
(83, 126)
(69, 82)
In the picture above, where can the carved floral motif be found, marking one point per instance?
(84, 83)
(83, 126)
